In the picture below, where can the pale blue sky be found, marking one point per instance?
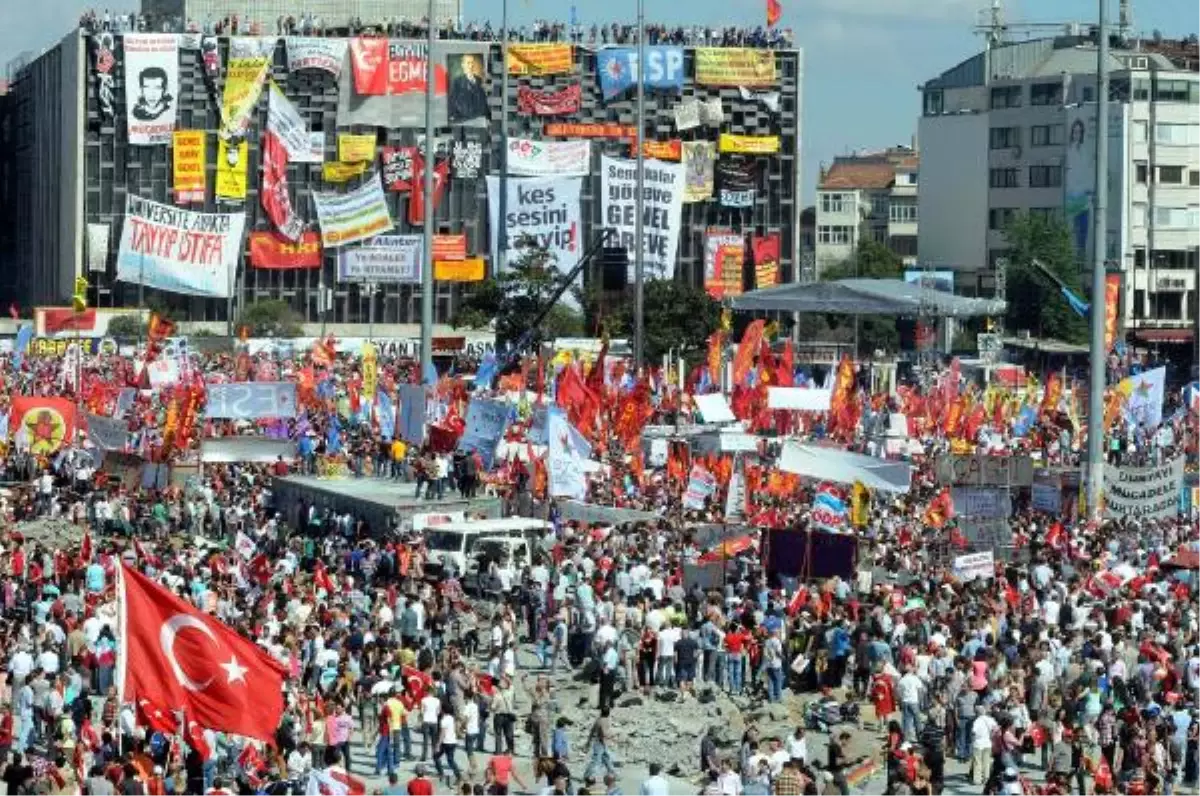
(864, 58)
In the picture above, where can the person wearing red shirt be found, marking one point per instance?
(736, 641)
(420, 785)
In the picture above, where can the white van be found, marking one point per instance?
(449, 545)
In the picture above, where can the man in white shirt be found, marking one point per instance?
(982, 730)
(656, 784)
(21, 664)
(48, 662)
(431, 708)
(667, 637)
(909, 691)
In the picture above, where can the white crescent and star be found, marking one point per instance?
(234, 671)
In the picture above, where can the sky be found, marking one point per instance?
(863, 58)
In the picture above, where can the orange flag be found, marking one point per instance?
(774, 12)
(743, 360)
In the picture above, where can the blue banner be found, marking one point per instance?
(617, 69)
(412, 413)
(385, 411)
(486, 422)
(251, 400)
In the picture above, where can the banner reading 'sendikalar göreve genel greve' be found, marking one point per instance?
(168, 248)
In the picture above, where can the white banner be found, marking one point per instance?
(309, 52)
(543, 211)
(384, 258)
(286, 122)
(529, 158)
(97, 247)
(350, 217)
(566, 461)
(687, 115)
(663, 206)
(173, 249)
(975, 565)
(1143, 492)
(151, 87)
(798, 399)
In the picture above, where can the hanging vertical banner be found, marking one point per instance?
(1112, 309)
(246, 72)
(285, 122)
(103, 64)
(316, 52)
(735, 66)
(698, 158)
(541, 59)
(151, 87)
(724, 261)
(468, 157)
(617, 69)
(97, 247)
(274, 197)
(467, 98)
(354, 216)
(168, 248)
(397, 162)
(765, 249)
(540, 212)
(530, 158)
(355, 148)
(549, 102)
(662, 203)
(687, 115)
(416, 202)
(231, 170)
(188, 157)
(370, 371)
(736, 183)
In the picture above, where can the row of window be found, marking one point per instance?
(1165, 133)
(1001, 217)
(1039, 177)
(835, 234)
(837, 203)
(1167, 217)
(1166, 175)
(1119, 89)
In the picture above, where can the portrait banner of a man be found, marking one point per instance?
(151, 87)
(468, 88)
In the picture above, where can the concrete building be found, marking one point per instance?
(67, 166)
(870, 196)
(332, 13)
(1012, 130)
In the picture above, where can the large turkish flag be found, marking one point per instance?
(182, 659)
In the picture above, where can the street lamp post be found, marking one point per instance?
(639, 272)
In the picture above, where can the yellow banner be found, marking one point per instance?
(356, 148)
(541, 59)
(728, 66)
(370, 371)
(471, 269)
(243, 83)
(342, 172)
(231, 170)
(749, 144)
(187, 157)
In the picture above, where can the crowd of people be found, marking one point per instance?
(1074, 665)
(310, 24)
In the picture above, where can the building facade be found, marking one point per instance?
(1012, 130)
(871, 196)
(331, 13)
(72, 167)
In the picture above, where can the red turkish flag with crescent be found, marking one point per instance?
(173, 654)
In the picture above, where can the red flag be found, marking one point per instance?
(177, 655)
(743, 360)
(416, 682)
(774, 12)
(85, 549)
(416, 202)
(156, 718)
(195, 739)
(581, 403)
(65, 319)
(49, 423)
(321, 579)
(595, 377)
(940, 510)
(786, 375)
(159, 328)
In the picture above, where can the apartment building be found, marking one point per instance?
(867, 196)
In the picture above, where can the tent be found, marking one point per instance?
(844, 467)
(866, 297)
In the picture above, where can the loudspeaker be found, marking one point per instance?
(614, 268)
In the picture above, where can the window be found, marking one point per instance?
(1089, 93)
(1168, 306)
(1141, 131)
(1004, 178)
(879, 204)
(1142, 171)
(1175, 258)
(1046, 135)
(1141, 89)
(1139, 214)
(902, 213)
(1046, 213)
(1139, 256)
(1118, 89)
(1170, 175)
(837, 202)
(1177, 217)
(1171, 90)
(1045, 93)
(1006, 97)
(1174, 134)
(835, 235)
(1005, 137)
(1194, 177)
(999, 217)
(935, 101)
(1045, 176)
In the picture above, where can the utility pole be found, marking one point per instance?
(639, 269)
(1095, 444)
(430, 161)
(502, 215)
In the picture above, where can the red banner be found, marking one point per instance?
(591, 130)
(658, 150)
(1112, 309)
(384, 67)
(550, 102)
(765, 249)
(449, 247)
(65, 319)
(46, 424)
(272, 250)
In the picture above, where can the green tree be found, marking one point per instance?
(271, 318)
(510, 302)
(126, 326)
(1034, 302)
(677, 316)
(871, 260)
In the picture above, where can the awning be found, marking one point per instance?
(843, 467)
(1165, 335)
(866, 297)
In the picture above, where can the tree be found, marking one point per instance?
(871, 260)
(271, 318)
(511, 302)
(1034, 302)
(126, 326)
(677, 316)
